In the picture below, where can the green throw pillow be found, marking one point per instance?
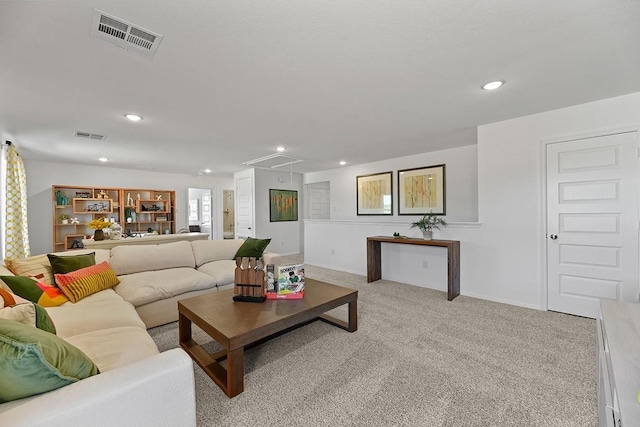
(67, 264)
(252, 247)
(40, 293)
(29, 313)
(33, 361)
(43, 320)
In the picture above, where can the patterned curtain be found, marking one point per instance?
(16, 232)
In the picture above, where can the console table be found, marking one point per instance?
(374, 259)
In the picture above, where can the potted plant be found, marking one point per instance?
(64, 218)
(99, 224)
(428, 223)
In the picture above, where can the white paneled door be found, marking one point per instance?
(244, 208)
(592, 222)
(319, 203)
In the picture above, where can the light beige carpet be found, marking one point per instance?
(416, 360)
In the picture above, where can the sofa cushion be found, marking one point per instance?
(127, 259)
(222, 271)
(114, 347)
(86, 281)
(29, 313)
(206, 251)
(38, 292)
(252, 248)
(106, 309)
(33, 361)
(149, 286)
(67, 264)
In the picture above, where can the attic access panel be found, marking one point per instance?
(273, 161)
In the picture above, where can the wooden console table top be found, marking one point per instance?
(374, 258)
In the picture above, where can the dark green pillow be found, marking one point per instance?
(33, 361)
(252, 247)
(67, 264)
(43, 320)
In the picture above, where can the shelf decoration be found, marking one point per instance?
(99, 224)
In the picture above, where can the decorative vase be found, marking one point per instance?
(98, 235)
(65, 221)
(427, 235)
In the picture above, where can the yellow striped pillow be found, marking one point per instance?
(37, 267)
(86, 281)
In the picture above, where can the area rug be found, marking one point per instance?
(416, 360)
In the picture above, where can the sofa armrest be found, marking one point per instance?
(272, 258)
(158, 391)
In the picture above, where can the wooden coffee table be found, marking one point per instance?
(239, 325)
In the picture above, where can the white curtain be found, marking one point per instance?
(15, 232)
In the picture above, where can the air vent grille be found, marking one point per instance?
(81, 134)
(124, 34)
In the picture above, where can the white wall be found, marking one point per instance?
(42, 175)
(286, 236)
(502, 257)
(461, 183)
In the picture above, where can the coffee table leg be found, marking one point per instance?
(184, 328)
(353, 316)
(235, 372)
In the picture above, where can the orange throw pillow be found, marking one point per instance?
(86, 281)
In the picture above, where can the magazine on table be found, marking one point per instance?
(288, 282)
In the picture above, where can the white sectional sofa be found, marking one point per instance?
(137, 385)
(154, 277)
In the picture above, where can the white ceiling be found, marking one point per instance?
(330, 80)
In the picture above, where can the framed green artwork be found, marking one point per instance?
(283, 205)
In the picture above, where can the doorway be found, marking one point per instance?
(228, 214)
(200, 211)
(592, 222)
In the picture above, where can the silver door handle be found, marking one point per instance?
(554, 237)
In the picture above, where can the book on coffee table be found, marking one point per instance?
(290, 282)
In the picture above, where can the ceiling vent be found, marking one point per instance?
(124, 34)
(95, 136)
(273, 161)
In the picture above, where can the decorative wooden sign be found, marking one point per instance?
(248, 282)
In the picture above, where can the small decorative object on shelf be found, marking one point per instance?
(428, 223)
(99, 225)
(61, 199)
(249, 280)
(64, 218)
(290, 284)
(115, 231)
(74, 220)
(102, 195)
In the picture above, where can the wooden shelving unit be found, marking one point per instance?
(88, 203)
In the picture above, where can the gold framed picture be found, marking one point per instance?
(422, 190)
(374, 194)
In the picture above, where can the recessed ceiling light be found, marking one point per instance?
(280, 149)
(103, 159)
(342, 163)
(492, 85)
(207, 171)
(133, 117)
